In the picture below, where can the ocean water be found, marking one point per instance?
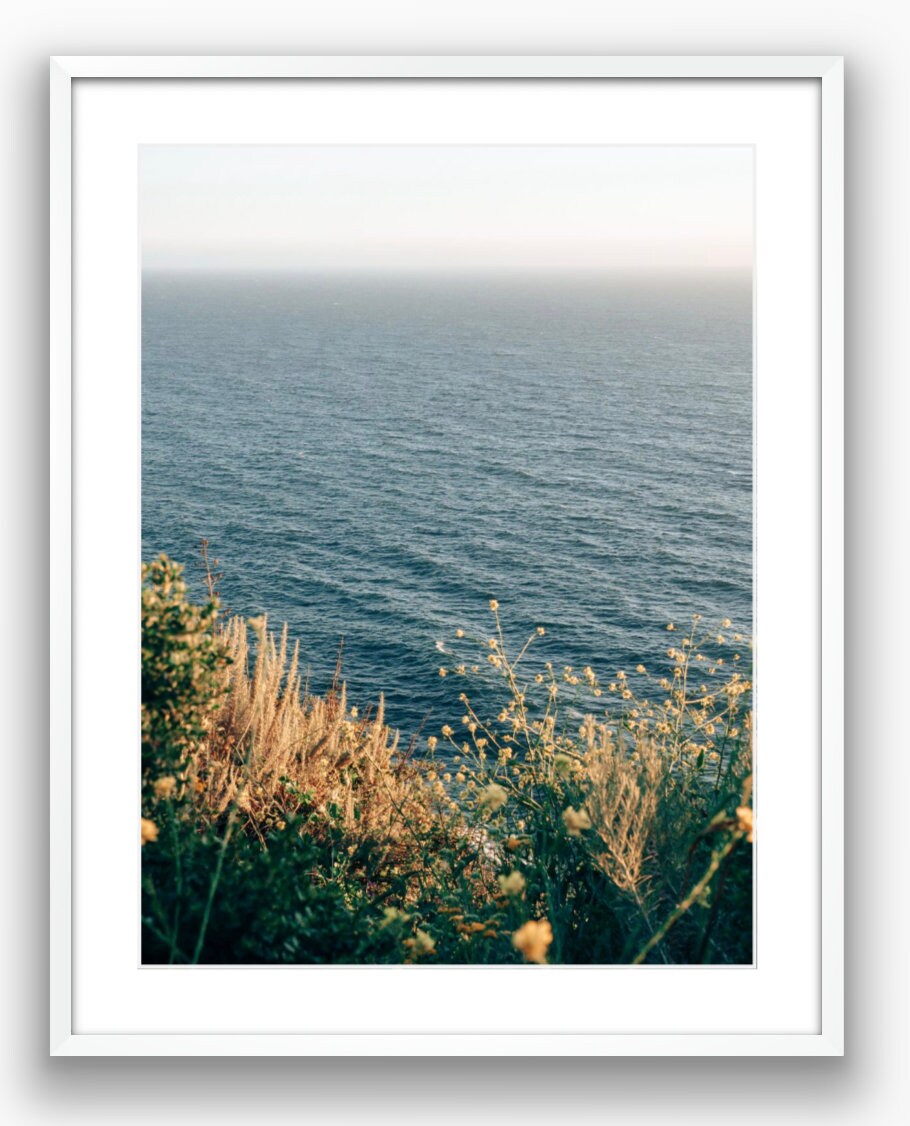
(374, 459)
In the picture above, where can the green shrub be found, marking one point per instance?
(182, 663)
(290, 903)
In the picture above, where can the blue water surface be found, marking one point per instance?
(374, 458)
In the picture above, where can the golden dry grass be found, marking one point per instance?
(275, 750)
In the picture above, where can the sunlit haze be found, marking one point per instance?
(446, 208)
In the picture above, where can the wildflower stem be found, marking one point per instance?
(691, 899)
(213, 887)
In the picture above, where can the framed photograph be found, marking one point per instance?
(447, 535)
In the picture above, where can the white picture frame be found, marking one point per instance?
(79, 530)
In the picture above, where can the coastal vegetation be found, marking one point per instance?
(585, 819)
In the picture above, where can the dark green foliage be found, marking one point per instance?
(293, 902)
(182, 663)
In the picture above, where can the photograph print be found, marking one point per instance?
(447, 555)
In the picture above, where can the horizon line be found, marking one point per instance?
(462, 271)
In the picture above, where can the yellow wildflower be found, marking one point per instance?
(575, 820)
(562, 764)
(533, 939)
(149, 830)
(423, 943)
(165, 787)
(392, 915)
(492, 797)
(494, 605)
(513, 884)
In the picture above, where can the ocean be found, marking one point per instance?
(375, 458)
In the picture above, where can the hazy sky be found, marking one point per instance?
(446, 207)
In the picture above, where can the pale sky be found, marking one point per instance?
(442, 208)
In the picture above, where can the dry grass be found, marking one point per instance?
(623, 796)
(275, 750)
